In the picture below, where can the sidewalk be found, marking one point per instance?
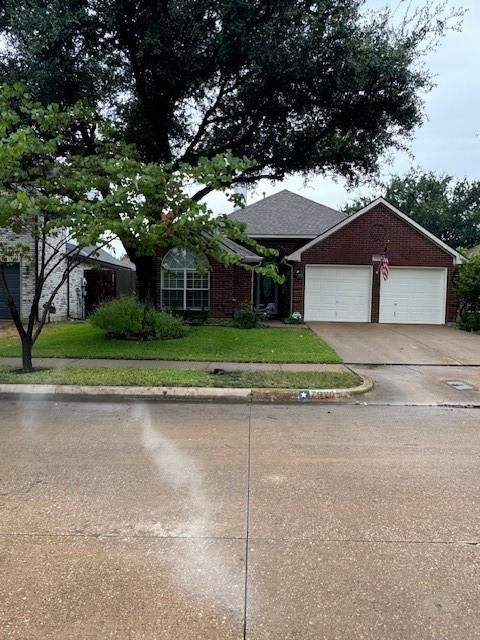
(169, 364)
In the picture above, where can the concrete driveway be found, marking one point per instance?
(226, 522)
(359, 343)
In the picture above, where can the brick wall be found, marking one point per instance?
(284, 246)
(76, 291)
(27, 274)
(230, 287)
(355, 244)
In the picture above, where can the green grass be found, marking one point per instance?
(206, 343)
(182, 378)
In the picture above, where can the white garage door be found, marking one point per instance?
(338, 294)
(414, 296)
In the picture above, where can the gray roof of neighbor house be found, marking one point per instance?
(475, 249)
(100, 256)
(288, 215)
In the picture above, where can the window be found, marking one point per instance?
(185, 281)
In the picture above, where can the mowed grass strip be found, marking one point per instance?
(90, 376)
(204, 343)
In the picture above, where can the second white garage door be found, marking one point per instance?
(338, 293)
(414, 296)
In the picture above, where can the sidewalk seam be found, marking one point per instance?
(247, 536)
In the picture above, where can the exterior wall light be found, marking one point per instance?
(298, 273)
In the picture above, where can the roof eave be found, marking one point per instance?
(282, 236)
(252, 260)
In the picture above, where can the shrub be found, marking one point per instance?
(245, 318)
(126, 317)
(469, 322)
(468, 292)
(164, 325)
(195, 318)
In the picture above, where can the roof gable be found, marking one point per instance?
(296, 255)
(287, 215)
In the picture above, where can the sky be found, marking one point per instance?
(449, 140)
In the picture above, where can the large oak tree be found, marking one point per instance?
(308, 86)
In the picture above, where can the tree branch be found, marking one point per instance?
(223, 91)
(243, 179)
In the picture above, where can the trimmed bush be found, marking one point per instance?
(245, 318)
(126, 318)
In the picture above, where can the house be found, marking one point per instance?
(100, 277)
(332, 265)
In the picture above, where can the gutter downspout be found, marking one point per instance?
(290, 265)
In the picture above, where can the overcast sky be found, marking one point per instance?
(448, 142)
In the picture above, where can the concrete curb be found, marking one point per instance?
(187, 394)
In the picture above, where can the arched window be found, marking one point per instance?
(185, 281)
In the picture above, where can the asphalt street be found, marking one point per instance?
(205, 521)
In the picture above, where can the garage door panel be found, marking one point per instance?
(413, 296)
(337, 294)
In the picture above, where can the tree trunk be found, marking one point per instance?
(146, 279)
(27, 346)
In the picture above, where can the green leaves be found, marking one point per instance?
(47, 188)
(299, 86)
(468, 292)
(448, 208)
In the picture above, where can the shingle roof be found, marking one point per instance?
(287, 214)
(101, 256)
(243, 252)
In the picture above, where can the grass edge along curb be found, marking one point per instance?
(212, 394)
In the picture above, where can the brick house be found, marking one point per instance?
(332, 265)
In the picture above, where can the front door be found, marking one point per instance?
(266, 295)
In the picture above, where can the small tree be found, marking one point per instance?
(39, 223)
(468, 291)
(50, 197)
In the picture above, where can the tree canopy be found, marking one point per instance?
(309, 86)
(448, 208)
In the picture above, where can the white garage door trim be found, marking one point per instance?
(436, 318)
(308, 313)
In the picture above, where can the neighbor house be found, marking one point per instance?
(331, 263)
(100, 277)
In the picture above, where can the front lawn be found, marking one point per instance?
(183, 378)
(205, 343)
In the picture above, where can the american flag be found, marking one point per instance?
(385, 263)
